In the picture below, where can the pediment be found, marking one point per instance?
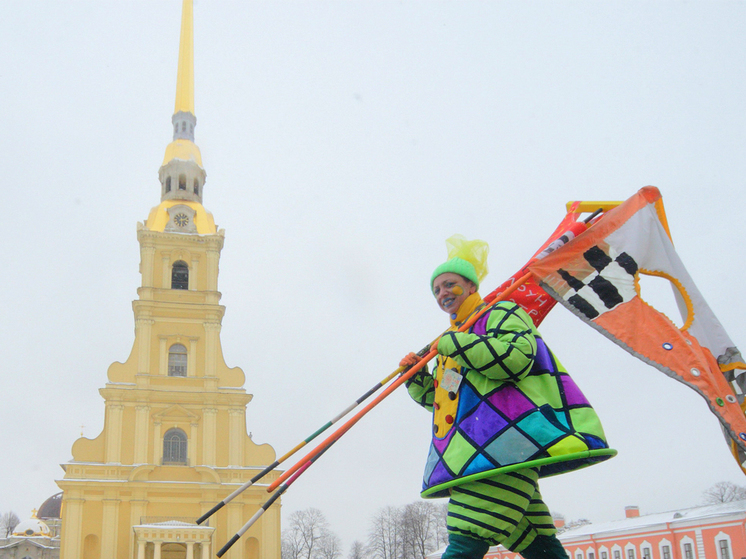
(176, 413)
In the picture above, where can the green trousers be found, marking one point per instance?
(505, 509)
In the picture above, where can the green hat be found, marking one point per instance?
(457, 266)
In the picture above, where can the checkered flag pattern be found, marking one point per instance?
(611, 282)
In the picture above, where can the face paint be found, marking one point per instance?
(457, 290)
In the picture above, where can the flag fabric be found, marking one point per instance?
(529, 296)
(596, 276)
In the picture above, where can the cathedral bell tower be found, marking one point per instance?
(174, 441)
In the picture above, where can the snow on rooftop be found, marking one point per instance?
(654, 519)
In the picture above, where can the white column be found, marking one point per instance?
(205, 550)
(157, 443)
(166, 280)
(162, 357)
(235, 438)
(192, 445)
(212, 269)
(140, 549)
(193, 277)
(143, 328)
(141, 433)
(157, 550)
(110, 525)
(192, 358)
(71, 532)
(212, 332)
(209, 427)
(146, 265)
(114, 412)
(190, 550)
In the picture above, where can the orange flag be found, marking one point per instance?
(596, 276)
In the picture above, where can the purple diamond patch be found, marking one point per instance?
(511, 402)
(482, 424)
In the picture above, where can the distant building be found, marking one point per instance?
(708, 532)
(37, 537)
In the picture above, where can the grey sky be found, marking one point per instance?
(343, 143)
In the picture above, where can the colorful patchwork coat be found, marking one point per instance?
(501, 402)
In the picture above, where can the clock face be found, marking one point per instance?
(181, 220)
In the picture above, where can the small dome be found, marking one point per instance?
(31, 527)
(51, 507)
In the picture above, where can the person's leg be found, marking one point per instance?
(493, 510)
(462, 547)
(544, 547)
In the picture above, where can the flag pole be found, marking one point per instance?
(492, 298)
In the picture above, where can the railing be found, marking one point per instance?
(165, 519)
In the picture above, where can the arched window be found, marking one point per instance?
(196, 187)
(177, 361)
(180, 275)
(168, 184)
(175, 447)
(182, 182)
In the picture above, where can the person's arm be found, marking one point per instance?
(420, 385)
(505, 352)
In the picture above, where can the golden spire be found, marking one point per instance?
(181, 175)
(185, 75)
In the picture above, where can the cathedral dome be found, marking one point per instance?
(51, 507)
(31, 527)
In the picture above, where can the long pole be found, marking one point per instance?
(575, 229)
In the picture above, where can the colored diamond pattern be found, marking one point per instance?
(482, 424)
(573, 395)
(512, 447)
(510, 401)
(541, 429)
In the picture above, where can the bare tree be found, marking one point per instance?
(385, 537)
(418, 521)
(8, 521)
(291, 546)
(440, 530)
(724, 492)
(307, 527)
(357, 550)
(330, 546)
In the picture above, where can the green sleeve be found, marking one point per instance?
(505, 352)
(421, 388)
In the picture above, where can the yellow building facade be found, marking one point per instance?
(174, 441)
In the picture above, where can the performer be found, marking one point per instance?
(505, 413)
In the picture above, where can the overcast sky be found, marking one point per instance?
(343, 143)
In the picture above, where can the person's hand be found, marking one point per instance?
(408, 360)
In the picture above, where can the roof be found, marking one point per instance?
(656, 519)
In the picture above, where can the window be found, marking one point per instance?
(666, 552)
(180, 275)
(579, 555)
(724, 549)
(630, 553)
(182, 182)
(177, 361)
(175, 447)
(168, 184)
(646, 553)
(688, 554)
(591, 555)
(617, 554)
(604, 555)
(196, 187)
